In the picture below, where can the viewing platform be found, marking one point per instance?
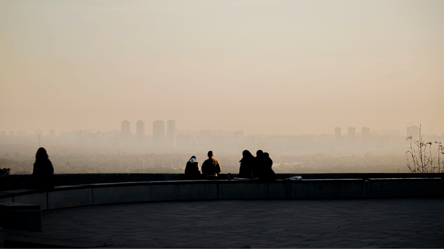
(251, 201)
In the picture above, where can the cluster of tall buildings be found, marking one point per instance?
(162, 138)
(165, 138)
(351, 139)
(351, 133)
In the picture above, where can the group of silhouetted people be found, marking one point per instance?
(256, 167)
(210, 168)
(250, 167)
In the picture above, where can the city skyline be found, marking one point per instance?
(167, 138)
(140, 130)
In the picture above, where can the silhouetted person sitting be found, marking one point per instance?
(192, 169)
(263, 168)
(269, 172)
(211, 167)
(43, 172)
(246, 165)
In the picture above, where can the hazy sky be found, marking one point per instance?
(270, 67)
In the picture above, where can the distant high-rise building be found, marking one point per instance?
(413, 131)
(159, 133)
(351, 132)
(140, 130)
(22, 133)
(365, 132)
(171, 133)
(52, 133)
(125, 133)
(337, 133)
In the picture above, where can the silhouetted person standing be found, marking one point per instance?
(192, 169)
(43, 172)
(211, 166)
(246, 165)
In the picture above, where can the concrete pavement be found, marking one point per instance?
(246, 223)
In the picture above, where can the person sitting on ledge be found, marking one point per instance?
(43, 172)
(211, 167)
(269, 172)
(192, 168)
(246, 165)
(263, 168)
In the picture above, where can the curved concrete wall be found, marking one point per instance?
(11, 182)
(133, 192)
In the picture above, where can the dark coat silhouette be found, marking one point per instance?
(211, 166)
(263, 169)
(192, 168)
(247, 163)
(268, 171)
(43, 172)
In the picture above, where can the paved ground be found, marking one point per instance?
(281, 223)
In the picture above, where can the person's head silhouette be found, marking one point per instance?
(246, 153)
(210, 154)
(41, 154)
(259, 153)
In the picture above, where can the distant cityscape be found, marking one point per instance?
(166, 138)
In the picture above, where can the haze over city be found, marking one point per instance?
(222, 123)
(264, 67)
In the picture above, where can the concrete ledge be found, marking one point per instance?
(187, 190)
(69, 198)
(11, 182)
(233, 190)
(279, 190)
(21, 216)
(184, 191)
(312, 189)
(39, 199)
(120, 194)
(6, 199)
(382, 188)
(435, 188)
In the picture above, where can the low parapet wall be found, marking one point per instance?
(11, 182)
(153, 191)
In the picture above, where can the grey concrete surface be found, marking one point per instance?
(327, 189)
(386, 188)
(333, 223)
(435, 188)
(39, 199)
(69, 198)
(279, 190)
(121, 194)
(183, 191)
(239, 190)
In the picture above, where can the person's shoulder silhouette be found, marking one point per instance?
(211, 166)
(192, 168)
(246, 169)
